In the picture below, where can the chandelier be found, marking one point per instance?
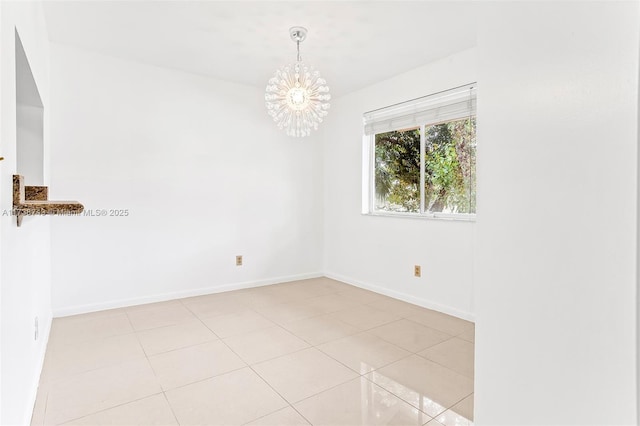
(296, 96)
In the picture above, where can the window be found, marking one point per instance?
(421, 156)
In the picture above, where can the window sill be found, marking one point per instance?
(432, 216)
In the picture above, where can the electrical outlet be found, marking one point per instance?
(36, 329)
(417, 271)
(239, 260)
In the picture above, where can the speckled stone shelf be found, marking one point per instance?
(33, 200)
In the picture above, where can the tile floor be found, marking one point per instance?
(314, 352)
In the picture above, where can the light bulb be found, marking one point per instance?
(298, 98)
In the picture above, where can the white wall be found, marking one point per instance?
(557, 187)
(380, 252)
(25, 251)
(202, 170)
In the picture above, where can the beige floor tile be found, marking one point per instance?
(361, 295)
(460, 414)
(163, 339)
(359, 402)
(443, 322)
(153, 410)
(71, 330)
(301, 374)
(365, 317)
(318, 330)
(469, 336)
(292, 292)
(285, 417)
(331, 303)
(91, 315)
(198, 348)
(154, 306)
(456, 354)
(231, 399)
(215, 304)
(288, 312)
(64, 360)
(262, 300)
(363, 352)
(234, 296)
(37, 416)
(155, 315)
(97, 390)
(319, 285)
(237, 323)
(261, 296)
(188, 365)
(465, 407)
(396, 306)
(424, 384)
(332, 284)
(265, 344)
(409, 335)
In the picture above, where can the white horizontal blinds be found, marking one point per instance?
(443, 106)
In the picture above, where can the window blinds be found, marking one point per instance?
(443, 106)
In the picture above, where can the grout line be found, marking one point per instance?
(112, 407)
(453, 405)
(436, 329)
(126, 314)
(281, 396)
(70, 376)
(408, 402)
(445, 366)
(170, 407)
(449, 337)
(301, 415)
(401, 398)
(263, 379)
(461, 399)
(279, 356)
(338, 361)
(44, 413)
(302, 301)
(204, 379)
(183, 347)
(141, 346)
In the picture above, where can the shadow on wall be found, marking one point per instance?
(29, 121)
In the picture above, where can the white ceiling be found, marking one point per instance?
(352, 44)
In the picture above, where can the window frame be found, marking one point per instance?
(369, 201)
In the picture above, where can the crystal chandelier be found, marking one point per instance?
(296, 96)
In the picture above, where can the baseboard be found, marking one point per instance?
(121, 303)
(403, 296)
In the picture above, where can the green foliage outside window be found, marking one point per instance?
(450, 168)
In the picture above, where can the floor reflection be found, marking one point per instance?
(447, 416)
(380, 407)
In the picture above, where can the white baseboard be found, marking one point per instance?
(121, 303)
(403, 296)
